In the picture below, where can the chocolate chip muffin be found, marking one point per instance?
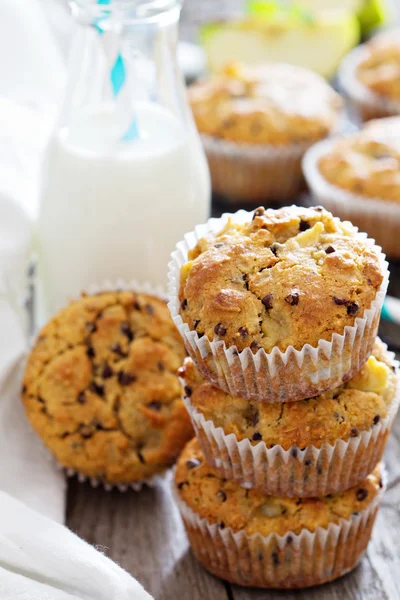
(366, 164)
(357, 177)
(252, 539)
(312, 447)
(277, 104)
(370, 76)
(256, 122)
(100, 387)
(277, 305)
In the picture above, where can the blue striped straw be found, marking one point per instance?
(117, 74)
(391, 310)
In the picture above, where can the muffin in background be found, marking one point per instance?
(256, 123)
(277, 305)
(251, 539)
(370, 77)
(357, 177)
(312, 447)
(101, 390)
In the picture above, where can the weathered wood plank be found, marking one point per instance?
(143, 533)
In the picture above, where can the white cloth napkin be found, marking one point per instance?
(41, 560)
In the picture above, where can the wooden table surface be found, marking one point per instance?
(143, 531)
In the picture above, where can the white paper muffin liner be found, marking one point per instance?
(274, 561)
(276, 376)
(248, 173)
(158, 478)
(306, 472)
(365, 103)
(380, 218)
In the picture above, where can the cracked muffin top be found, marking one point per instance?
(380, 69)
(341, 413)
(289, 277)
(366, 163)
(230, 505)
(100, 387)
(274, 104)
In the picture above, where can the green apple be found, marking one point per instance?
(314, 40)
(372, 14)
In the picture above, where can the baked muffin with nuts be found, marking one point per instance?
(101, 390)
(312, 447)
(279, 542)
(255, 118)
(370, 75)
(277, 282)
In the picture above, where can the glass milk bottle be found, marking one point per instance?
(124, 175)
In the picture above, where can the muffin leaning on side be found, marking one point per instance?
(257, 122)
(100, 387)
(312, 447)
(357, 177)
(370, 76)
(277, 305)
(266, 541)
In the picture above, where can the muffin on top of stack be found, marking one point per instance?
(291, 394)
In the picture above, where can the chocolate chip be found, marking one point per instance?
(352, 309)
(340, 301)
(354, 432)
(243, 331)
(307, 462)
(257, 436)
(275, 558)
(319, 208)
(294, 453)
(289, 539)
(222, 495)
(141, 457)
(97, 388)
(181, 484)
(39, 399)
(220, 330)
(188, 390)
(319, 471)
(125, 378)
(218, 245)
(304, 225)
(361, 494)
(274, 249)
(329, 250)
(125, 328)
(293, 298)
(260, 555)
(184, 304)
(107, 371)
(149, 308)
(258, 212)
(90, 352)
(90, 327)
(254, 345)
(82, 398)
(192, 463)
(154, 405)
(23, 390)
(376, 419)
(195, 323)
(221, 525)
(160, 366)
(136, 304)
(86, 431)
(116, 348)
(267, 301)
(380, 483)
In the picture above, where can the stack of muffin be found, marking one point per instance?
(291, 394)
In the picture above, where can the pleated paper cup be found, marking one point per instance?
(95, 482)
(245, 173)
(380, 218)
(276, 376)
(365, 103)
(304, 473)
(282, 562)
